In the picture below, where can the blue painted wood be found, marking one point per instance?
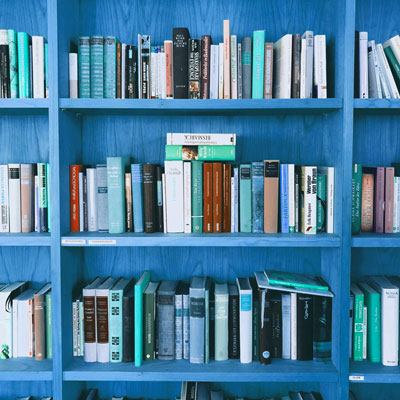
(25, 369)
(368, 105)
(25, 239)
(376, 240)
(11, 389)
(374, 372)
(24, 106)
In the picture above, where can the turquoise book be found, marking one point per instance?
(110, 67)
(201, 152)
(116, 193)
(221, 321)
(140, 287)
(245, 197)
(358, 318)
(96, 67)
(137, 197)
(284, 197)
(46, 70)
(197, 196)
(115, 317)
(258, 65)
(257, 195)
(48, 197)
(23, 65)
(49, 326)
(84, 67)
(12, 51)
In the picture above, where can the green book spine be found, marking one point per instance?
(149, 328)
(96, 67)
(84, 67)
(321, 203)
(394, 65)
(116, 193)
(373, 302)
(298, 285)
(197, 196)
(46, 69)
(115, 321)
(110, 67)
(49, 327)
(23, 65)
(221, 326)
(258, 65)
(356, 198)
(245, 198)
(12, 50)
(204, 152)
(358, 319)
(207, 325)
(48, 197)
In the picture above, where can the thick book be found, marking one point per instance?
(245, 319)
(304, 327)
(150, 198)
(265, 326)
(84, 67)
(276, 326)
(226, 197)
(131, 72)
(245, 198)
(201, 152)
(257, 196)
(208, 197)
(194, 68)
(309, 199)
(282, 80)
(389, 199)
(14, 192)
(40, 322)
(24, 82)
(102, 198)
(356, 185)
(96, 67)
(295, 280)
(27, 196)
(258, 65)
(217, 197)
(246, 67)
(367, 204)
(221, 321)
(205, 66)
(137, 197)
(320, 80)
(197, 196)
(199, 139)
(174, 196)
(150, 313)
(227, 59)
(329, 173)
(379, 199)
(322, 329)
(180, 38)
(271, 194)
(128, 329)
(268, 70)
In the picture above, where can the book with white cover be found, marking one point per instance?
(221, 71)
(283, 67)
(5, 216)
(291, 196)
(309, 64)
(123, 70)
(92, 199)
(293, 326)
(245, 319)
(232, 204)
(389, 319)
(394, 44)
(320, 82)
(234, 68)
(187, 187)
(174, 196)
(214, 64)
(387, 73)
(365, 321)
(198, 139)
(329, 172)
(164, 196)
(286, 332)
(374, 81)
(14, 196)
(81, 212)
(38, 66)
(236, 197)
(72, 75)
(395, 203)
(363, 61)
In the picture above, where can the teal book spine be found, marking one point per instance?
(48, 197)
(245, 198)
(137, 197)
(49, 326)
(23, 65)
(96, 67)
(12, 51)
(46, 69)
(221, 322)
(116, 193)
(115, 322)
(203, 152)
(84, 67)
(197, 196)
(358, 327)
(110, 67)
(258, 65)
(321, 203)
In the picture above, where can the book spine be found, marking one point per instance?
(232, 203)
(321, 203)
(389, 197)
(197, 196)
(214, 64)
(284, 199)
(49, 327)
(356, 186)
(208, 197)
(137, 197)
(115, 313)
(74, 330)
(180, 63)
(118, 70)
(257, 189)
(390, 326)
(96, 67)
(174, 196)
(271, 195)
(38, 66)
(286, 331)
(194, 68)
(80, 329)
(149, 198)
(239, 68)
(73, 75)
(322, 330)
(186, 326)
(320, 82)
(43, 198)
(246, 67)
(166, 326)
(128, 329)
(74, 197)
(102, 198)
(309, 36)
(226, 197)
(46, 70)
(265, 328)
(268, 69)
(387, 73)
(276, 318)
(227, 60)
(293, 326)
(160, 200)
(221, 327)
(197, 328)
(149, 326)
(304, 327)
(178, 327)
(23, 65)
(123, 71)
(92, 199)
(364, 349)
(110, 67)
(291, 197)
(296, 54)
(102, 326)
(14, 190)
(236, 198)
(205, 66)
(297, 201)
(221, 71)
(168, 66)
(4, 66)
(132, 86)
(217, 197)
(258, 65)
(373, 327)
(31, 87)
(26, 197)
(187, 202)
(234, 68)
(85, 204)
(153, 70)
(4, 200)
(84, 67)
(13, 56)
(358, 326)
(245, 198)
(395, 206)
(128, 202)
(363, 53)
(40, 326)
(309, 195)
(246, 327)
(89, 312)
(367, 203)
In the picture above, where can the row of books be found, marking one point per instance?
(375, 199)
(185, 67)
(271, 315)
(23, 65)
(374, 320)
(33, 398)
(377, 68)
(24, 197)
(25, 321)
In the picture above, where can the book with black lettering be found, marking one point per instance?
(5, 91)
(233, 323)
(194, 68)
(304, 327)
(150, 198)
(256, 317)
(160, 205)
(128, 332)
(322, 329)
(276, 319)
(180, 38)
(131, 72)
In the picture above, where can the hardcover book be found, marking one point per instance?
(246, 67)
(217, 197)
(271, 193)
(322, 330)
(150, 198)
(221, 321)
(180, 62)
(137, 197)
(150, 315)
(202, 152)
(194, 68)
(258, 65)
(304, 327)
(233, 322)
(245, 317)
(197, 196)
(96, 67)
(245, 198)
(257, 189)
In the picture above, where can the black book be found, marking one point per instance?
(180, 37)
(304, 327)
(357, 64)
(256, 317)
(128, 330)
(233, 323)
(149, 198)
(211, 305)
(306, 396)
(160, 219)
(276, 319)
(131, 73)
(265, 347)
(296, 54)
(295, 396)
(194, 68)
(5, 92)
(316, 396)
(322, 330)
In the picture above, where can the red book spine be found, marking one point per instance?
(226, 216)
(208, 212)
(389, 197)
(379, 199)
(119, 49)
(367, 203)
(217, 197)
(74, 196)
(205, 67)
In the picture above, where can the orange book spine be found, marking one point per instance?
(226, 215)
(367, 203)
(208, 190)
(217, 197)
(389, 199)
(168, 66)
(74, 196)
(227, 60)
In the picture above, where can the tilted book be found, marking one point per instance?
(295, 280)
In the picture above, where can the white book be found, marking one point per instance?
(81, 213)
(329, 172)
(25, 324)
(389, 319)
(153, 73)
(291, 197)
(286, 332)
(283, 67)
(198, 139)
(5, 216)
(164, 194)
(163, 75)
(73, 75)
(245, 319)
(293, 326)
(158, 74)
(187, 187)
(374, 82)
(382, 79)
(14, 197)
(236, 197)
(102, 197)
(303, 58)
(239, 71)
(365, 321)
(232, 204)
(174, 196)
(398, 206)
(320, 82)
(309, 50)
(37, 218)
(214, 61)
(123, 70)
(363, 61)
(395, 203)
(139, 65)
(38, 66)
(394, 44)
(234, 67)
(15, 328)
(221, 71)
(387, 73)
(92, 199)
(74, 331)
(309, 210)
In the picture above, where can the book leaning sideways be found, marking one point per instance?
(295, 280)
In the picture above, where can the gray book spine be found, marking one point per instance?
(197, 312)
(246, 67)
(186, 328)
(296, 50)
(102, 198)
(240, 82)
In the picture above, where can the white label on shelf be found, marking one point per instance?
(356, 377)
(73, 241)
(102, 241)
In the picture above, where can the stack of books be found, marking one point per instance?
(25, 321)
(189, 68)
(23, 65)
(271, 315)
(24, 197)
(201, 189)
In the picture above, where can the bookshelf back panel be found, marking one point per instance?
(10, 390)
(373, 391)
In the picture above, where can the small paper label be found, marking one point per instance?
(73, 241)
(245, 302)
(102, 241)
(356, 377)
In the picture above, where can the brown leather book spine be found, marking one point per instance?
(217, 197)
(102, 319)
(268, 69)
(208, 190)
(149, 198)
(226, 215)
(128, 202)
(89, 319)
(271, 193)
(40, 326)
(367, 203)
(389, 199)
(119, 71)
(205, 67)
